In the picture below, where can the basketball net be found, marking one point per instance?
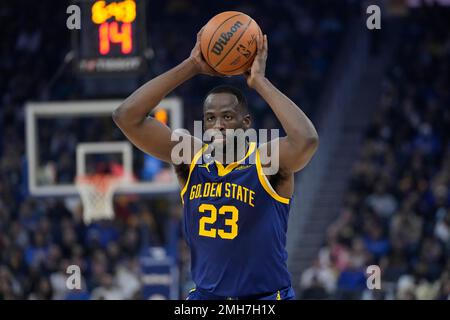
(97, 191)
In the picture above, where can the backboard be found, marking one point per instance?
(64, 139)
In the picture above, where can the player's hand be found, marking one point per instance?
(196, 57)
(258, 69)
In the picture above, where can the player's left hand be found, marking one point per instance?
(258, 69)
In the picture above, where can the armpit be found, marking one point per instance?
(276, 179)
(182, 171)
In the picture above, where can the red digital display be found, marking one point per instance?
(112, 37)
(109, 33)
(119, 30)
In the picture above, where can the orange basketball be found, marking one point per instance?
(228, 42)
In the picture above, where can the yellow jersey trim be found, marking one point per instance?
(191, 168)
(222, 171)
(265, 182)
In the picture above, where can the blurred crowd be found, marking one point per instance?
(396, 212)
(45, 238)
(40, 237)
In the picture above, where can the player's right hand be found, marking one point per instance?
(258, 68)
(200, 63)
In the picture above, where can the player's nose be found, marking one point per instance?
(219, 125)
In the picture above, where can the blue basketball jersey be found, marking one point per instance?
(235, 225)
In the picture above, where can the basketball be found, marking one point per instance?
(228, 42)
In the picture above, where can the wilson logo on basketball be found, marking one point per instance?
(224, 38)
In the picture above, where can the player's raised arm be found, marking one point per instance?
(147, 133)
(302, 140)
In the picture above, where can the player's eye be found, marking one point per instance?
(228, 117)
(209, 119)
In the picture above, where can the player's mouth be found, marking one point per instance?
(219, 139)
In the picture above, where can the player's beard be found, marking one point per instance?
(220, 148)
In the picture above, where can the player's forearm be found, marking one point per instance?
(138, 105)
(299, 129)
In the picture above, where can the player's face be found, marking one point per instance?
(221, 112)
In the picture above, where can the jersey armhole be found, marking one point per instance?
(265, 182)
(191, 168)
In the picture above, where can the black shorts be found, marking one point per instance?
(282, 294)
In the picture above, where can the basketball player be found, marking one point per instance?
(235, 216)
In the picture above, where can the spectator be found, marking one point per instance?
(107, 290)
(320, 278)
(381, 202)
(398, 195)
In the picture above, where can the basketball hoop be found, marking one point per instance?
(97, 193)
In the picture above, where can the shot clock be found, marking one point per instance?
(112, 38)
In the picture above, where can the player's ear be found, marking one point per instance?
(247, 121)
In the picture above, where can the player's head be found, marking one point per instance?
(225, 107)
